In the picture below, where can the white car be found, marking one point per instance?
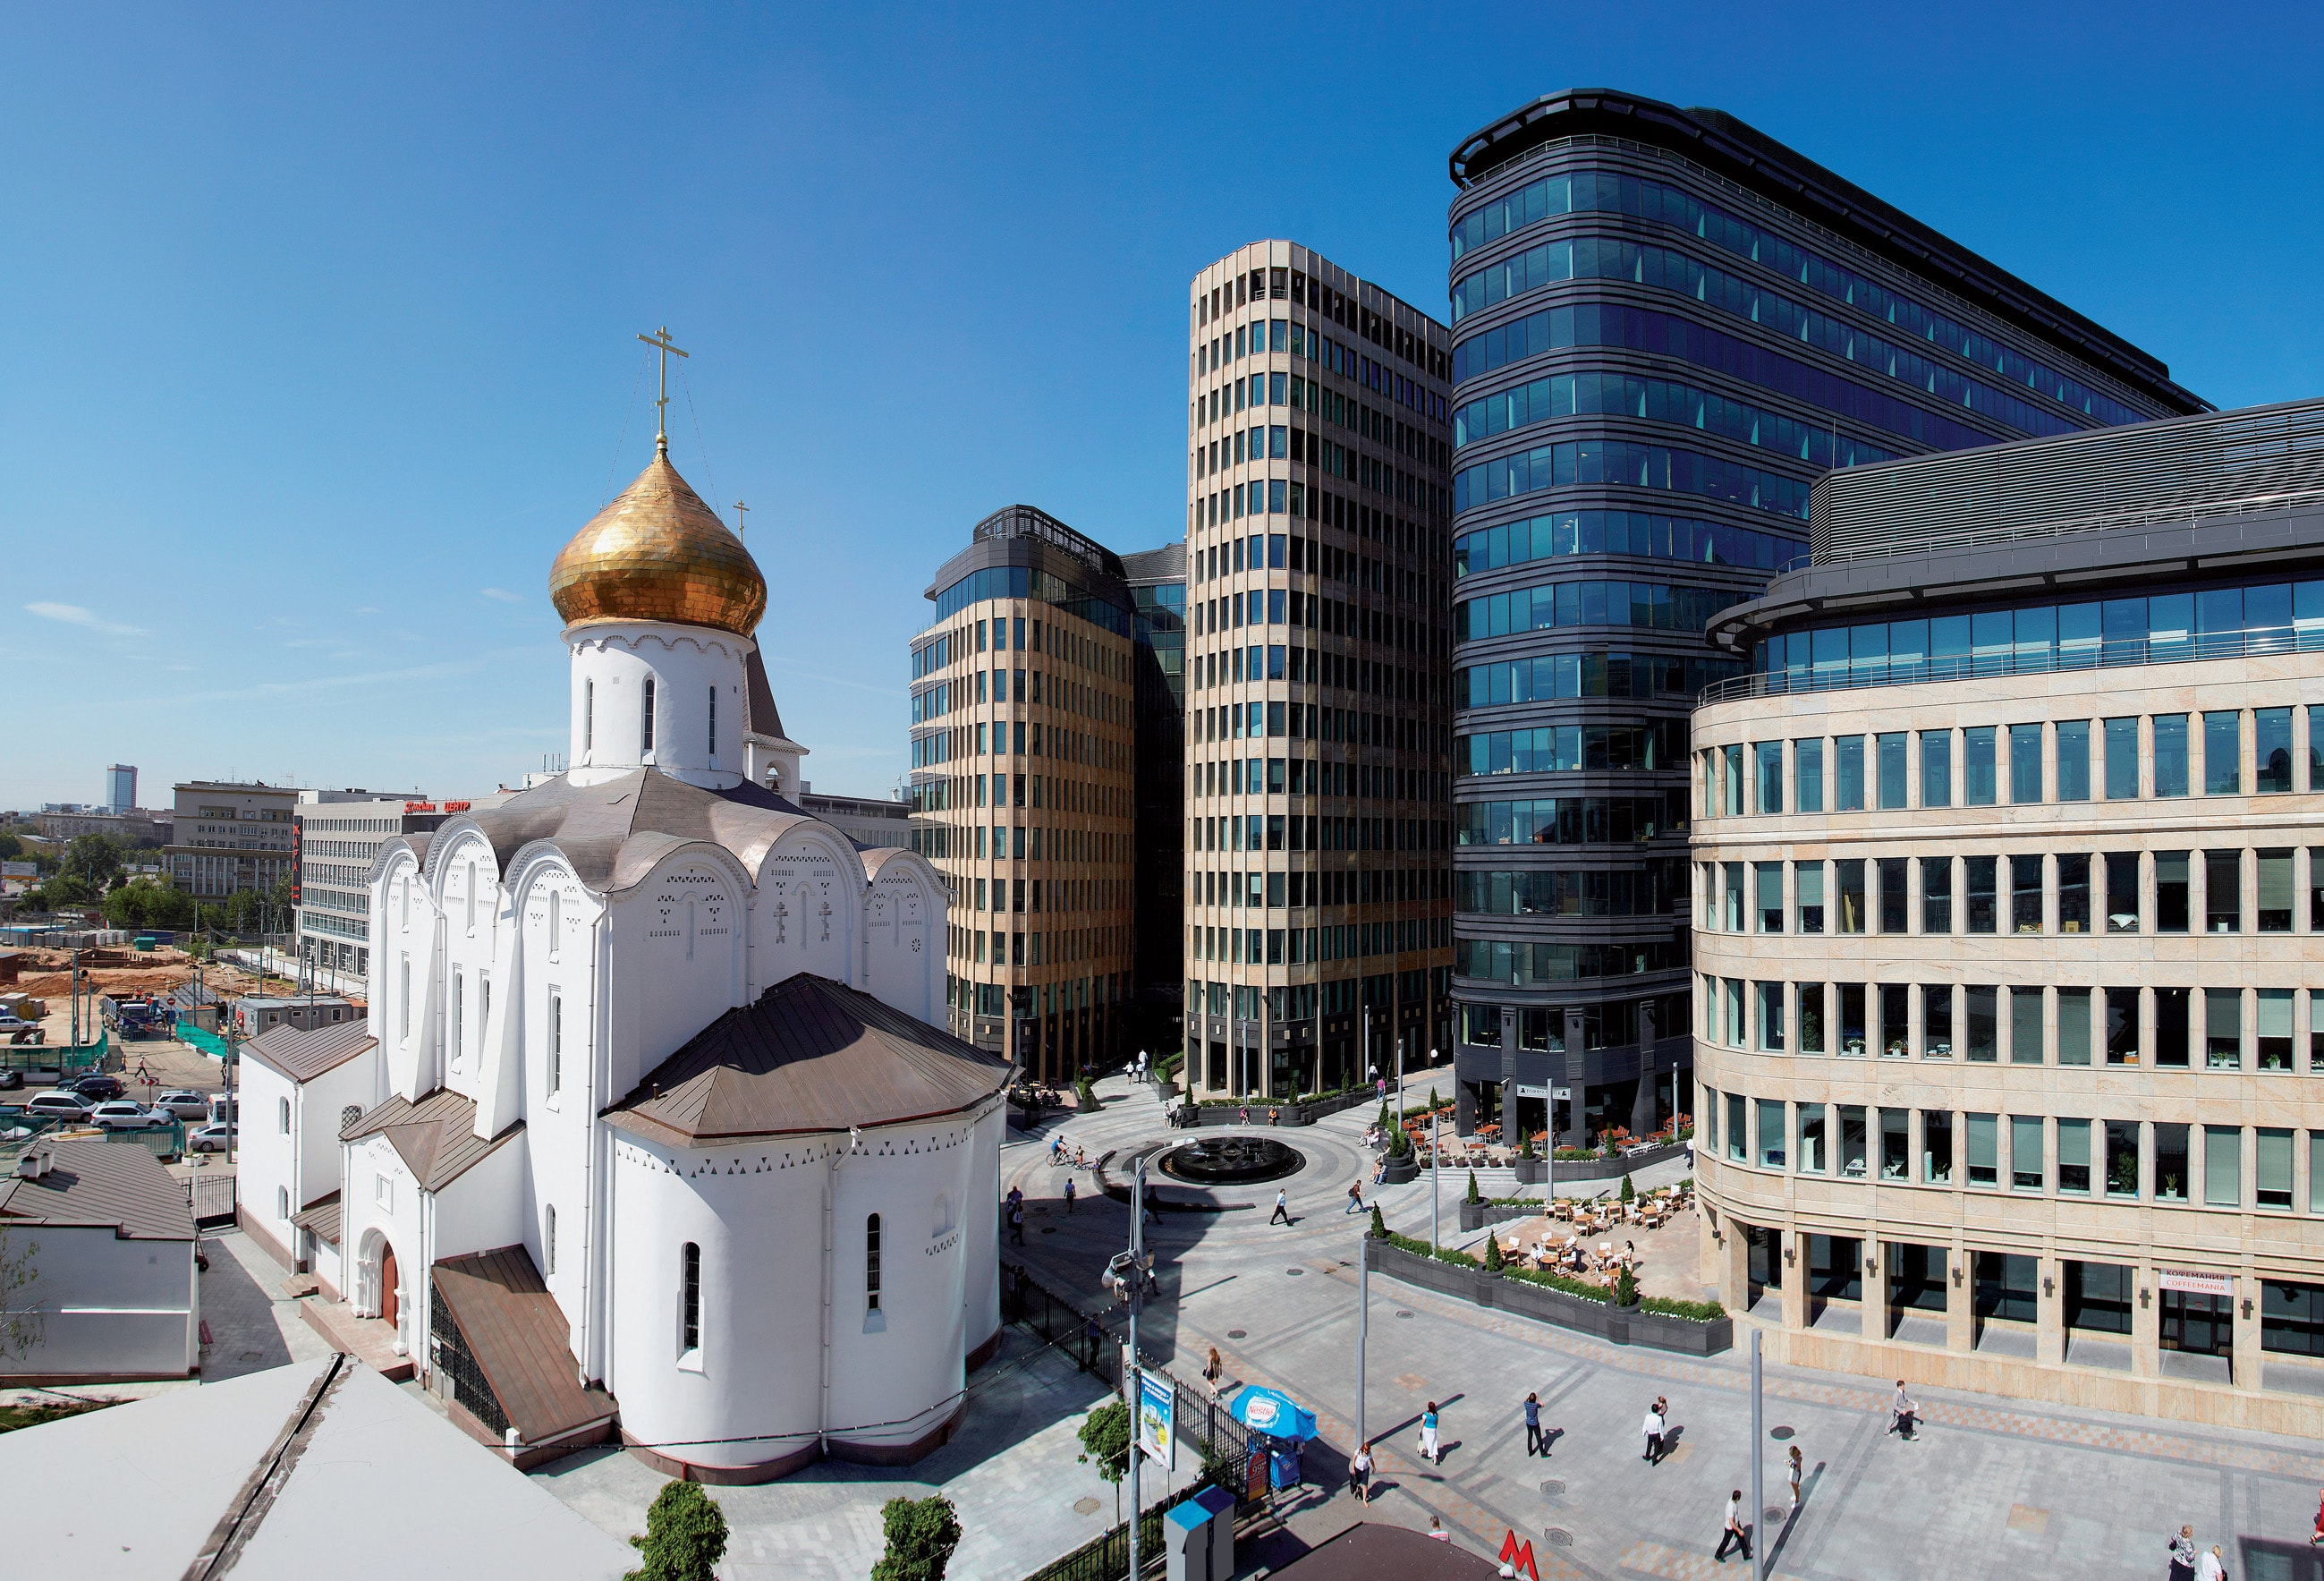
(57, 1105)
(123, 1115)
(185, 1103)
(209, 1138)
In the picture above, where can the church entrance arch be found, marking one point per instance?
(390, 1308)
(376, 1278)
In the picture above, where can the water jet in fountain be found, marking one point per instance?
(1230, 1160)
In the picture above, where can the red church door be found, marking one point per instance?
(389, 1309)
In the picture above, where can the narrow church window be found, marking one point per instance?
(645, 736)
(588, 714)
(283, 1108)
(282, 1202)
(472, 899)
(548, 1236)
(689, 1298)
(555, 922)
(403, 999)
(459, 1021)
(714, 721)
(871, 1263)
(555, 1044)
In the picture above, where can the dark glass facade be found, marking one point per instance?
(1667, 326)
(1157, 579)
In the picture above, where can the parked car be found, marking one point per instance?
(185, 1103)
(95, 1088)
(10, 1022)
(209, 1138)
(124, 1114)
(58, 1103)
(11, 1081)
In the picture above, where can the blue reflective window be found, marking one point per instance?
(1908, 649)
(2171, 754)
(1867, 654)
(1993, 639)
(1977, 767)
(2037, 637)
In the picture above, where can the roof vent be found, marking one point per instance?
(31, 1166)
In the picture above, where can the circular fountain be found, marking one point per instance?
(1236, 1160)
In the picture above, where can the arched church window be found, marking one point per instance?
(403, 998)
(549, 1237)
(555, 922)
(283, 1106)
(645, 718)
(871, 1263)
(714, 721)
(689, 1298)
(588, 714)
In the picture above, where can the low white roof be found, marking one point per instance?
(186, 1478)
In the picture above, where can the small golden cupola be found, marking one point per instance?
(658, 553)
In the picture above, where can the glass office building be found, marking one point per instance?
(1318, 903)
(1157, 579)
(1665, 327)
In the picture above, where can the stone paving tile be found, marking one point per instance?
(253, 1324)
(2109, 1486)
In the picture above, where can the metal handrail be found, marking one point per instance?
(2113, 653)
(2171, 513)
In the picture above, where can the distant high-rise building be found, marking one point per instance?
(120, 787)
(1319, 923)
(1667, 324)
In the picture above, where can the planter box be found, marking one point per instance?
(1530, 1171)
(1476, 1216)
(1401, 1172)
(1613, 1168)
(1601, 1319)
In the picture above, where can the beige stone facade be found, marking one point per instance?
(1863, 1092)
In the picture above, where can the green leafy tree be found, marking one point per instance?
(57, 894)
(686, 1535)
(1105, 1435)
(1399, 1143)
(922, 1534)
(93, 859)
(11, 848)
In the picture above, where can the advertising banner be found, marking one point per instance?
(1157, 1402)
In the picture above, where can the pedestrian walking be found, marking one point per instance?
(1282, 1214)
(1534, 1443)
(2183, 1554)
(1093, 1335)
(1653, 1428)
(1428, 1433)
(1359, 1474)
(1243, 1114)
(1901, 1413)
(1017, 1224)
(1355, 1197)
(1734, 1532)
(1214, 1370)
(1069, 1193)
(1798, 1461)
(2211, 1566)
(2317, 1536)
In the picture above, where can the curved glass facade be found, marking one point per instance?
(1630, 321)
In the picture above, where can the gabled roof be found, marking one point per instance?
(615, 832)
(110, 1185)
(810, 1055)
(762, 717)
(302, 1054)
(435, 1137)
(522, 1342)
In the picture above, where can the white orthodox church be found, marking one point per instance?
(651, 1126)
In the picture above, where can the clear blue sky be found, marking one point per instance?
(321, 325)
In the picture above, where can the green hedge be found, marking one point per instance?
(1699, 1311)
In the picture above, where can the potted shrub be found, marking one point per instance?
(1530, 1170)
(1402, 1168)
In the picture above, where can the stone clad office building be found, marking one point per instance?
(2009, 881)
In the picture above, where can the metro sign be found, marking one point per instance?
(1516, 1556)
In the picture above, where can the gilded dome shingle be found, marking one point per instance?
(656, 552)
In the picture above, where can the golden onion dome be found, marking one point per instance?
(658, 553)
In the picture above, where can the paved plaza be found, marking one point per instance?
(1991, 1486)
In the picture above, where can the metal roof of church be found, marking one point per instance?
(811, 1055)
(435, 1137)
(302, 1054)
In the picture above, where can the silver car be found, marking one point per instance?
(185, 1103)
(59, 1105)
(124, 1115)
(209, 1138)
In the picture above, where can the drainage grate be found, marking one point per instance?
(1776, 1514)
(1295, 1272)
(1404, 1314)
(1779, 1434)
(1553, 1489)
(1236, 1333)
(1085, 1506)
(1557, 1536)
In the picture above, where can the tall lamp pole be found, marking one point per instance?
(1127, 1277)
(1758, 1471)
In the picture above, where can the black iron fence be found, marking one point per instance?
(212, 1199)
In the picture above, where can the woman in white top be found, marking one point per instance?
(1360, 1474)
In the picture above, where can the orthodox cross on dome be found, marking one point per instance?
(740, 508)
(660, 340)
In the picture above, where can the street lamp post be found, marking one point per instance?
(1127, 1276)
(1758, 1460)
(1435, 1171)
